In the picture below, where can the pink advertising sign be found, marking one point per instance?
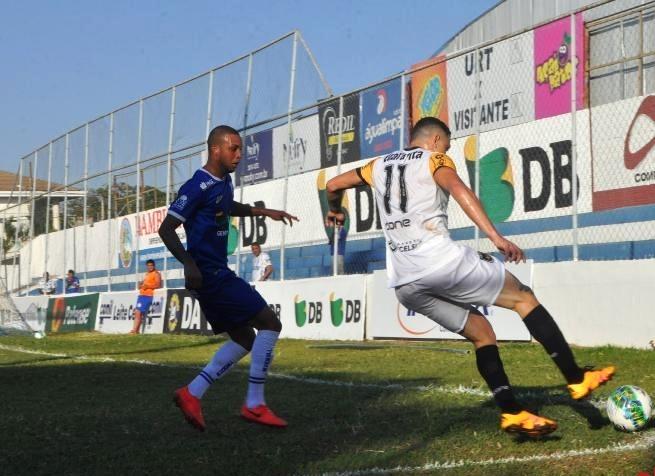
(553, 67)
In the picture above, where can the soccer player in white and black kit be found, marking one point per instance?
(444, 280)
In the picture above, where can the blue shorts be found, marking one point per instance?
(143, 304)
(229, 302)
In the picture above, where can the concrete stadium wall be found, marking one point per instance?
(600, 303)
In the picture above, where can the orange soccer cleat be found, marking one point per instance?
(527, 424)
(263, 415)
(592, 380)
(190, 407)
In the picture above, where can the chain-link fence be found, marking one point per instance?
(552, 127)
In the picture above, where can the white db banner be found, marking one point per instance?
(331, 308)
(391, 320)
(34, 309)
(116, 313)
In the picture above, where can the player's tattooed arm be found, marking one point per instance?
(449, 181)
(192, 275)
(335, 188)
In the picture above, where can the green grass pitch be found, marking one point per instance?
(85, 404)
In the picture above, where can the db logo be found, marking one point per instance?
(307, 312)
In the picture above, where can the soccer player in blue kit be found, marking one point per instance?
(204, 205)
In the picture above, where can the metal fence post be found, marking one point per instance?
(66, 165)
(574, 142)
(32, 209)
(86, 200)
(285, 192)
(47, 207)
(335, 242)
(478, 116)
(210, 104)
(403, 105)
(17, 283)
(245, 125)
(169, 165)
(138, 195)
(110, 159)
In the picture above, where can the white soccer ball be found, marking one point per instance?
(629, 408)
(39, 335)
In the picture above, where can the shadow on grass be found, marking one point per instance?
(118, 418)
(166, 348)
(535, 397)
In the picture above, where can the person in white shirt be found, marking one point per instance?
(262, 268)
(47, 285)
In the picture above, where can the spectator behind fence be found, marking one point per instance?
(341, 245)
(262, 267)
(47, 285)
(72, 283)
(151, 281)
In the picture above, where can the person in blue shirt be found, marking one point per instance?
(204, 206)
(72, 283)
(341, 245)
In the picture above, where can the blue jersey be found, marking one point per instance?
(203, 204)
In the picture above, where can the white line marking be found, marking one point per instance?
(645, 442)
(450, 389)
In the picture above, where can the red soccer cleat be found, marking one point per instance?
(190, 407)
(263, 415)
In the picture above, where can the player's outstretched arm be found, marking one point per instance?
(245, 210)
(336, 187)
(449, 181)
(192, 275)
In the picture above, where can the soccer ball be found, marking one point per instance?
(629, 408)
(39, 334)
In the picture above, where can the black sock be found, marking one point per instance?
(491, 368)
(545, 330)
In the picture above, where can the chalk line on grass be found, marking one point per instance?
(645, 442)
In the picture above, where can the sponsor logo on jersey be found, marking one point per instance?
(207, 183)
(410, 155)
(403, 246)
(181, 202)
(392, 225)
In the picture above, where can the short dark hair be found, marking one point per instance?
(427, 125)
(150, 261)
(218, 133)
(71, 271)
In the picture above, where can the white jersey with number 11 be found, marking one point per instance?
(413, 213)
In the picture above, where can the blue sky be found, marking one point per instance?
(67, 62)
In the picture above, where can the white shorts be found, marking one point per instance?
(448, 295)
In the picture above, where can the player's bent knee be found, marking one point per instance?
(479, 331)
(267, 320)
